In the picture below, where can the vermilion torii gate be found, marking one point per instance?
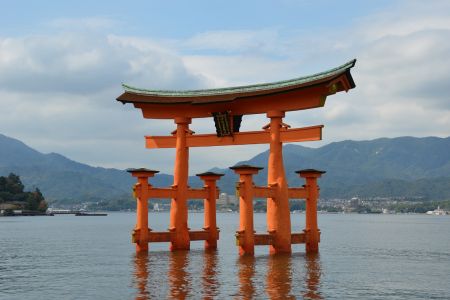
(227, 106)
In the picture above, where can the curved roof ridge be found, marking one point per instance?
(244, 88)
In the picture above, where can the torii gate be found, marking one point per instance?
(227, 106)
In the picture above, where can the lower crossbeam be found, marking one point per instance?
(166, 236)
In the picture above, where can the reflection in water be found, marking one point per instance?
(279, 277)
(184, 274)
(246, 265)
(210, 281)
(168, 275)
(141, 275)
(179, 278)
(312, 280)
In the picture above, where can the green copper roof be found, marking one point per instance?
(244, 89)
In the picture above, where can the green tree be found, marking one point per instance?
(35, 201)
(12, 189)
(13, 184)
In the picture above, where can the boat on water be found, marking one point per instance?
(437, 212)
(84, 214)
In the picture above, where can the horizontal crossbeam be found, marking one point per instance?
(313, 133)
(263, 192)
(298, 238)
(198, 235)
(159, 236)
(267, 239)
(165, 236)
(197, 193)
(168, 193)
(297, 193)
(263, 239)
(162, 193)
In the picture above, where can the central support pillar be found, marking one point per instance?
(278, 213)
(178, 206)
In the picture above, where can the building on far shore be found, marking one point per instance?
(437, 212)
(10, 206)
(225, 199)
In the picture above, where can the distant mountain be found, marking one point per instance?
(381, 167)
(60, 178)
(404, 166)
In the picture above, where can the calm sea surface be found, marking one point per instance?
(361, 257)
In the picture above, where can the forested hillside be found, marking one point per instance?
(404, 166)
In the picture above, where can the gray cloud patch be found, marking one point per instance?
(412, 67)
(57, 91)
(84, 63)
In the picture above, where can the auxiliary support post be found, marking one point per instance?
(140, 234)
(245, 236)
(210, 223)
(312, 232)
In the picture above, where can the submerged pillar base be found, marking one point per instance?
(285, 248)
(179, 239)
(312, 240)
(141, 242)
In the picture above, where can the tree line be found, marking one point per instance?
(12, 190)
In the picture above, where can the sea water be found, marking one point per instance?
(361, 257)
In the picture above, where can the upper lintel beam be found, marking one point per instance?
(313, 133)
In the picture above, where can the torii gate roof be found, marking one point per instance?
(288, 95)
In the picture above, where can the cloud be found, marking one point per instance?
(223, 70)
(235, 41)
(401, 75)
(414, 66)
(87, 63)
(404, 18)
(58, 94)
(57, 90)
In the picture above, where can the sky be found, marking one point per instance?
(62, 65)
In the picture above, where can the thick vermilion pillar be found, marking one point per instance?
(178, 206)
(141, 230)
(278, 213)
(246, 235)
(210, 223)
(312, 232)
